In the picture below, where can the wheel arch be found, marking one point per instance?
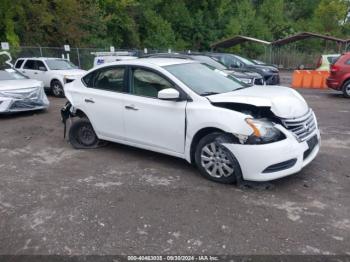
(199, 135)
(55, 79)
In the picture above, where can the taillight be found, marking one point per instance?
(335, 68)
(318, 64)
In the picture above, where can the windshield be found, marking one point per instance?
(246, 60)
(59, 64)
(203, 79)
(209, 61)
(11, 74)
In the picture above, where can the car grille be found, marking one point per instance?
(301, 127)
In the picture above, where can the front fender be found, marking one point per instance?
(200, 116)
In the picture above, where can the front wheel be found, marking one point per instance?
(346, 89)
(82, 134)
(57, 88)
(216, 162)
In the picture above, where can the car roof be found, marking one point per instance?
(154, 61)
(46, 58)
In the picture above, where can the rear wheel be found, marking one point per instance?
(57, 88)
(346, 89)
(82, 134)
(216, 162)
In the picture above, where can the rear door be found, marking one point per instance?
(102, 101)
(29, 68)
(150, 121)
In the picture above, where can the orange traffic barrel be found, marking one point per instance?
(307, 79)
(297, 78)
(317, 79)
(325, 76)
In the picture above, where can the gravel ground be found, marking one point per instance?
(122, 200)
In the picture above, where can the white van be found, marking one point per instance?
(109, 57)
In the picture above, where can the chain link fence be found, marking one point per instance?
(82, 57)
(284, 58)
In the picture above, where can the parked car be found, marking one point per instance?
(324, 62)
(269, 73)
(243, 75)
(54, 72)
(19, 93)
(180, 107)
(339, 78)
(108, 57)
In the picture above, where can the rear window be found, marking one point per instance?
(19, 63)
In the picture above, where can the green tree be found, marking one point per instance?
(329, 16)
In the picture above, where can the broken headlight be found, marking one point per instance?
(264, 132)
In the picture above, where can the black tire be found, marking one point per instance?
(346, 89)
(217, 138)
(82, 134)
(57, 88)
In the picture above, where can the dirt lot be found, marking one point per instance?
(121, 200)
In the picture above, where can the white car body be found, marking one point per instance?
(170, 127)
(47, 75)
(325, 61)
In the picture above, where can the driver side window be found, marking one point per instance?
(147, 83)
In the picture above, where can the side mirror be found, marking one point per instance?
(42, 68)
(169, 94)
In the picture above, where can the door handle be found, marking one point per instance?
(35, 73)
(131, 107)
(89, 100)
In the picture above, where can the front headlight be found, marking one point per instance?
(264, 132)
(246, 80)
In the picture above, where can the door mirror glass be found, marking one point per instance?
(169, 94)
(42, 68)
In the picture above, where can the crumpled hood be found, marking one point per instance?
(70, 72)
(283, 101)
(19, 84)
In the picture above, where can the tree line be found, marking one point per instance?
(162, 24)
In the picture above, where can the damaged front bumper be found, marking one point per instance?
(275, 160)
(23, 100)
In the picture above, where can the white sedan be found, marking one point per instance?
(183, 108)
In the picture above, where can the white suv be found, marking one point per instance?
(54, 72)
(183, 108)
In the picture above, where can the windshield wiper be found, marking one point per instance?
(209, 93)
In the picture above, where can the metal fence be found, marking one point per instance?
(286, 58)
(81, 57)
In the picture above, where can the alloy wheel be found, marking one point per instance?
(215, 161)
(57, 89)
(347, 89)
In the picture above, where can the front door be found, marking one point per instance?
(150, 121)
